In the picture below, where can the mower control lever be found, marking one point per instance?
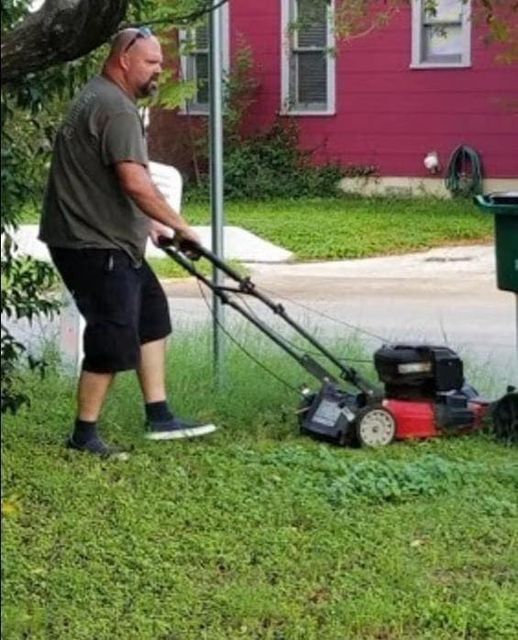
(190, 249)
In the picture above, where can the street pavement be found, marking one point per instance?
(442, 296)
(445, 296)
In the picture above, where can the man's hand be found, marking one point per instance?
(187, 243)
(159, 230)
(188, 235)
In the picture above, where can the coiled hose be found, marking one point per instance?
(464, 172)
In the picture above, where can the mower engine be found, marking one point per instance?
(425, 392)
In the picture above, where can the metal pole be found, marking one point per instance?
(216, 176)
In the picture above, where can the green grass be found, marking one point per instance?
(166, 268)
(351, 227)
(254, 532)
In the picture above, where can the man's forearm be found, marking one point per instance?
(154, 205)
(137, 184)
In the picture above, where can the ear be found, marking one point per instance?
(124, 62)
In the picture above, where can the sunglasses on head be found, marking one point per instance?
(142, 32)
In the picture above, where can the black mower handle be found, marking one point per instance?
(191, 249)
(195, 251)
(184, 250)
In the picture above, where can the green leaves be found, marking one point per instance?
(173, 95)
(271, 165)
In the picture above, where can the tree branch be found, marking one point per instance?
(60, 31)
(206, 8)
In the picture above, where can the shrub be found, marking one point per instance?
(271, 165)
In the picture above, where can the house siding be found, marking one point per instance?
(387, 114)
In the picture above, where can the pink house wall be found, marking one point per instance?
(388, 114)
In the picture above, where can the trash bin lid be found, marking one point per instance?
(499, 202)
(504, 197)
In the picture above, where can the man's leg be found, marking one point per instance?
(161, 422)
(91, 394)
(106, 290)
(151, 376)
(151, 371)
(154, 327)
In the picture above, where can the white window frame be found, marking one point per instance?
(190, 107)
(288, 10)
(418, 33)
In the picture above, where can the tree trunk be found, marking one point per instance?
(60, 31)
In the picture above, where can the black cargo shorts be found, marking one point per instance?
(123, 305)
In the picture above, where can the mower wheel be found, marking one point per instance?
(375, 426)
(505, 417)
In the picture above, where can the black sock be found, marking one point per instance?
(158, 411)
(84, 431)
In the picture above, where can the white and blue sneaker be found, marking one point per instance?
(176, 428)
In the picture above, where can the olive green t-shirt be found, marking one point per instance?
(85, 206)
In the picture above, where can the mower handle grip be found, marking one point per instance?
(191, 249)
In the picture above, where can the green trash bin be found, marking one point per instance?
(504, 206)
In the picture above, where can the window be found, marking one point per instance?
(308, 63)
(194, 44)
(196, 67)
(441, 33)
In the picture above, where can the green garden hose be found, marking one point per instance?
(464, 172)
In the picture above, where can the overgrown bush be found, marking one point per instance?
(25, 282)
(272, 165)
(264, 165)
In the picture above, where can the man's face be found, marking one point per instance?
(144, 66)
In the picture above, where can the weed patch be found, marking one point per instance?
(254, 532)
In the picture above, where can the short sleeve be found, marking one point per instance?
(123, 140)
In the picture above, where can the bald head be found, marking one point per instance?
(134, 62)
(125, 39)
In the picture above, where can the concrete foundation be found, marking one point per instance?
(415, 187)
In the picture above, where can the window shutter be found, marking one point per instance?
(312, 78)
(314, 35)
(202, 78)
(201, 37)
(312, 24)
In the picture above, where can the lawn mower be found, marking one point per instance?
(424, 394)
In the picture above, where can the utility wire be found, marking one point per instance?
(325, 315)
(240, 346)
(291, 343)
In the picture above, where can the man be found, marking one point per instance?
(100, 207)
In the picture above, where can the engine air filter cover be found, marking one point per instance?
(418, 365)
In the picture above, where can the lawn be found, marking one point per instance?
(350, 227)
(254, 533)
(333, 228)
